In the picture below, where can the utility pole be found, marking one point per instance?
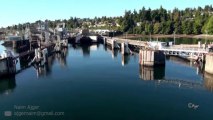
(174, 37)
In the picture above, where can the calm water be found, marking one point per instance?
(92, 83)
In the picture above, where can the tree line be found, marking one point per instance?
(146, 21)
(161, 21)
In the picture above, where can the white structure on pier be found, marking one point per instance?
(94, 38)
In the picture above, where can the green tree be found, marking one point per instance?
(209, 26)
(157, 28)
(149, 28)
(128, 22)
(187, 27)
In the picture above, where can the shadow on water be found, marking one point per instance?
(7, 85)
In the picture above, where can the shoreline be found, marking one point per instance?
(201, 36)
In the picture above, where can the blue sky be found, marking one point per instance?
(21, 11)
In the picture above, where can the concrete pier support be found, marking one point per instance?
(57, 47)
(115, 44)
(45, 54)
(40, 55)
(105, 41)
(125, 48)
(14, 44)
(209, 63)
(151, 58)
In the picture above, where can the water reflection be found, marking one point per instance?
(114, 52)
(208, 81)
(173, 78)
(94, 47)
(86, 49)
(125, 59)
(185, 62)
(179, 60)
(7, 85)
(46, 69)
(61, 57)
(42, 70)
(25, 60)
(151, 73)
(105, 47)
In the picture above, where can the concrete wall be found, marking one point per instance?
(159, 58)
(209, 63)
(151, 58)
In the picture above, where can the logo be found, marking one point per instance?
(7, 113)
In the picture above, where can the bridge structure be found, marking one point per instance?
(187, 51)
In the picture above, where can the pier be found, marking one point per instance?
(151, 54)
(38, 42)
(154, 55)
